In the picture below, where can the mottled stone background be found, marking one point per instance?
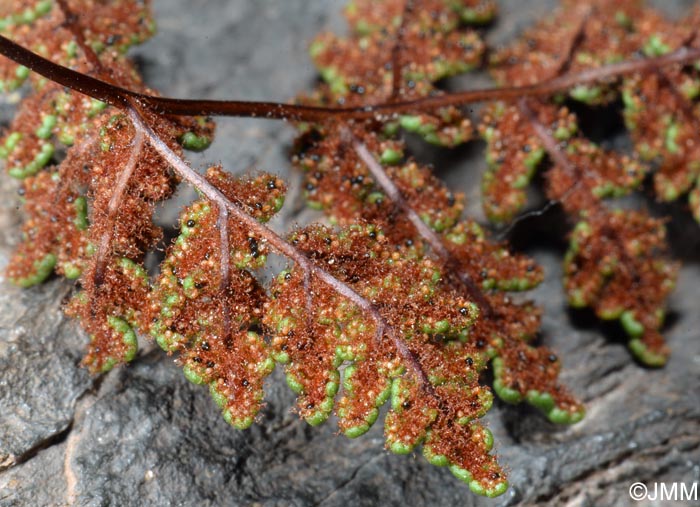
(143, 435)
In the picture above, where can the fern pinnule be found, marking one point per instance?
(617, 265)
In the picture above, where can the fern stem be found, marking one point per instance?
(71, 22)
(577, 39)
(224, 269)
(397, 52)
(123, 98)
(113, 207)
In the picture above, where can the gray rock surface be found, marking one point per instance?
(143, 435)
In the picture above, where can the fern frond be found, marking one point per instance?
(405, 300)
